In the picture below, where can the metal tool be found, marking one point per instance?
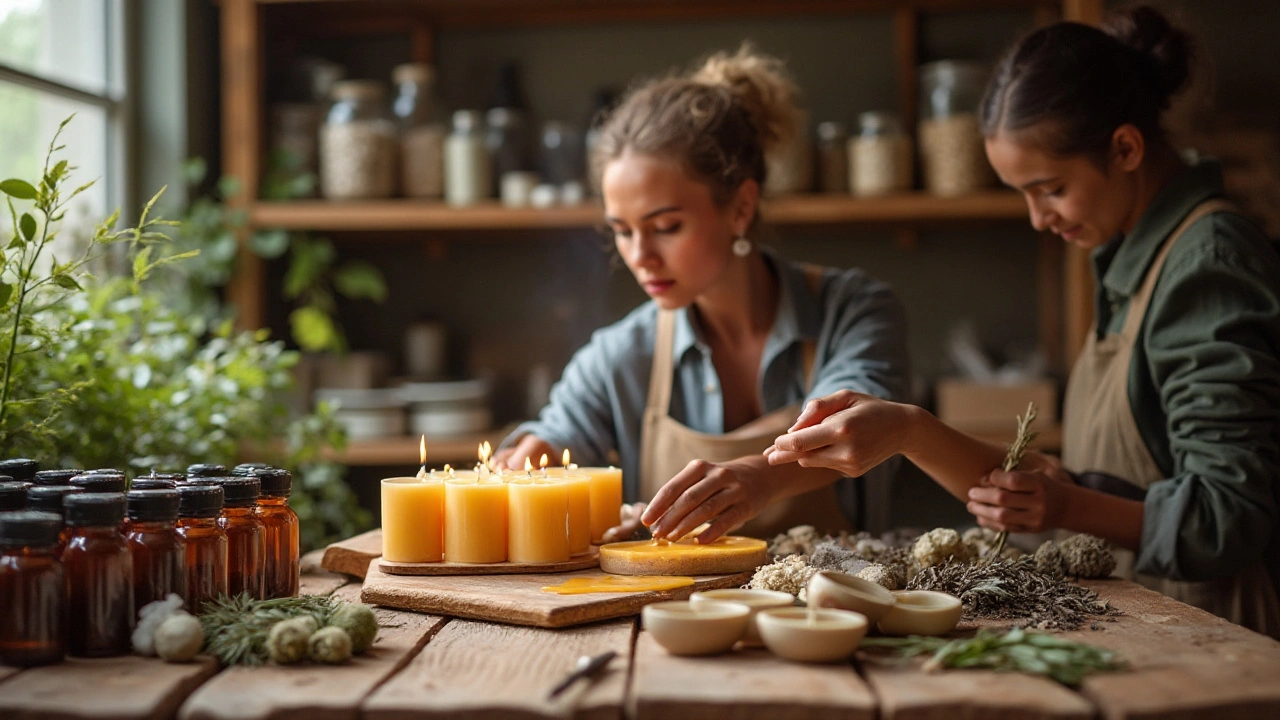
(587, 667)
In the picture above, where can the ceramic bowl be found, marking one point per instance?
(921, 612)
(831, 589)
(757, 600)
(711, 627)
(832, 636)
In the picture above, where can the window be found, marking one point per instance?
(58, 58)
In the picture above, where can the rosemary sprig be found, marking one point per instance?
(1014, 651)
(1011, 460)
(235, 628)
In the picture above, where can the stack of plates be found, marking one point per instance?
(446, 408)
(366, 414)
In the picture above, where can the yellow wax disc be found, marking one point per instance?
(729, 554)
(618, 584)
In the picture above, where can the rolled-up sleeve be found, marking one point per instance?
(1212, 351)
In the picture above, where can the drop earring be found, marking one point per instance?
(742, 247)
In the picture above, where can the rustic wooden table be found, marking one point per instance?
(1184, 663)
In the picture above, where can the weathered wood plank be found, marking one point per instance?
(120, 687)
(315, 692)
(742, 684)
(519, 598)
(352, 556)
(908, 693)
(315, 581)
(1184, 662)
(484, 671)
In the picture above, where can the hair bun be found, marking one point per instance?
(763, 87)
(1164, 51)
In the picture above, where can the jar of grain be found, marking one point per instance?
(879, 156)
(467, 167)
(358, 144)
(294, 135)
(951, 144)
(421, 132)
(790, 165)
(833, 158)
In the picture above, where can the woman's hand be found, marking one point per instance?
(848, 432)
(629, 516)
(723, 494)
(1023, 501)
(530, 447)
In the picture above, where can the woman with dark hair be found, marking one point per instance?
(1171, 444)
(689, 388)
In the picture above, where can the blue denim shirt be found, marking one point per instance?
(597, 408)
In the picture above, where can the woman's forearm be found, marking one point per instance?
(954, 460)
(1114, 519)
(789, 480)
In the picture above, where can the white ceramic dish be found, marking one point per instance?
(831, 589)
(921, 612)
(712, 627)
(443, 421)
(832, 636)
(757, 600)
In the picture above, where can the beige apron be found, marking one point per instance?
(1100, 434)
(667, 446)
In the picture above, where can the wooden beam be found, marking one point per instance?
(906, 63)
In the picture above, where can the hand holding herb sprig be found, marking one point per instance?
(1012, 458)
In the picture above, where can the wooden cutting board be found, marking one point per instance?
(518, 599)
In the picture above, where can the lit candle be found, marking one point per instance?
(605, 488)
(538, 519)
(413, 516)
(475, 512)
(579, 504)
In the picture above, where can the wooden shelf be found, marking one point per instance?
(458, 450)
(794, 210)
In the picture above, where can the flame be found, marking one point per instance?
(480, 452)
(528, 466)
(542, 464)
(422, 451)
(564, 459)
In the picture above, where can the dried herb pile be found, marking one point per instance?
(1014, 589)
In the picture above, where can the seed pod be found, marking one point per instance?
(329, 645)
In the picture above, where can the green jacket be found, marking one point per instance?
(1205, 382)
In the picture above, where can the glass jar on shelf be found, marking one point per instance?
(951, 144)
(295, 135)
(467, 167)
(421, 132)
(880, 156)
(358, 144)
(833, 158)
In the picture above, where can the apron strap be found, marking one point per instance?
(661, 370)
(1138, 305)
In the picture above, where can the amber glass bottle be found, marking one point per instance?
(280, 524)
(48, 498)
(159, 552)
(99, 576)
(13, 494)
(198, 509)
(33, 596)
(246, 537)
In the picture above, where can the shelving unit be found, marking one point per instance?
(1065, 298)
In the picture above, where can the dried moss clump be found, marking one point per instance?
(830, 555)
(938, 546)
(790, 575)
(889, 577)
(1080, 556)
(799, 540)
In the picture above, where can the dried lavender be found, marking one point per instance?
(1005, 589)
(1014, 456)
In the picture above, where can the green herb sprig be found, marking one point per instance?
(1012, 458)
(1017, 650)
(235, 628)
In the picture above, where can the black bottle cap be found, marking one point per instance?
(200, 500)
(100, 482)
(206, 470)
(29, 528)
(241, 491)
(48, 498)
(177, 478)
(13, 495)
(94, 509)
(103, 471)
(247, 469)
(153, 505)
(56, 477)
(276, 482)
(22, 469)
(151, 483)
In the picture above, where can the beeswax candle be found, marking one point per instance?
(579, 511)
(475, 514)
(606, 499)
(538, 520)
(413, 519)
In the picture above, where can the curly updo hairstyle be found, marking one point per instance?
(719, 122)
(1065, 88)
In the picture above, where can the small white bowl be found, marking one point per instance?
(834, 634)
(757, 600)
(711, 627)
(831, 589)
(921, 612)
